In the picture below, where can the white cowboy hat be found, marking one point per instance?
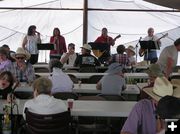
(162, 87)
(114, 68)
(86, 46)
(21, 51)
(131, 48)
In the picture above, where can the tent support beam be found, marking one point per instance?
(85, 19)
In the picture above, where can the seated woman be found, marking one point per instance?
(69, 57)
(6, 83)
(130, 53)
(86, 61)
(21, 69)
(61, 82)
(5, 63)
(114, 82)
(43, 102)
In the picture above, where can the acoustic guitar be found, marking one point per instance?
(99, 53)
(143, 51)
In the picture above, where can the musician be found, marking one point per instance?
(104, 38)
(150, 54)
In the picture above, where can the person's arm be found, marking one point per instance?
(64, 46)
(38, 37)
(64, 58)
(98, 85)
(24, 42)
(169, 67)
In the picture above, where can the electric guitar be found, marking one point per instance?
(143, 51)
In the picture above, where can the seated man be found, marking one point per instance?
(143, 119)
(43, 102)
(120, 57)
(21, 69)
(61, 82)
(114, 82)
(86, 61)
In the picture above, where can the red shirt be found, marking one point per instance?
(103, 39)
(59, 45)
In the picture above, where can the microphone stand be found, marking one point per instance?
(11, 105)
(137, 47)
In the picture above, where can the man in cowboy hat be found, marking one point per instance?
(86, 61)
(114, 82)
(130, 53)
(143, 118)
(21, 69)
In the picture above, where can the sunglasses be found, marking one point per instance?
(20, 58)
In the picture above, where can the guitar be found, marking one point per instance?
(99, 53)
(143, 51)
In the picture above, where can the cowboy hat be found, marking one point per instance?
(131, 48)
(114, 68)
(21, 51)
(162, 87)
(154, 70)
(86, 46)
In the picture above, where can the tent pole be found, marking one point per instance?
(85, 19)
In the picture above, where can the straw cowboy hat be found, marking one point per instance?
(162, 87)
(114, 68)
(154, 70)
(21, 51)
(86, 46)
(132, 49)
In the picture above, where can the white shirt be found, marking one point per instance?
(31, 45)
(169, 51)
(45, 104)
(71, 59)
(61, 81)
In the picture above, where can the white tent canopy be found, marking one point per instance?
(130, 24)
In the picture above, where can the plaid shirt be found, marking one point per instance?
(121, 59)
(26, 75)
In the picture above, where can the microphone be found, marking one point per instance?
(140, 39)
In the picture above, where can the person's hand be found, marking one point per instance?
(22, 66)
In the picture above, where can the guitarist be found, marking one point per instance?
(150, 54)
(104, 38)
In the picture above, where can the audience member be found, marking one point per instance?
(9, 52)
(6, 83)
(104, 38)
(143, 118)
(131, 53)
(86, 61)
(114, 82)
(5, 63)
(30, 42)
(153, 72)
(168, 58)
(150, 54)
(120, 57)
(59, 44)
(61, 82)
(21, 69)
(69, 57)
(43, 102)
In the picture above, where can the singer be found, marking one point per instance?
(30, 42)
